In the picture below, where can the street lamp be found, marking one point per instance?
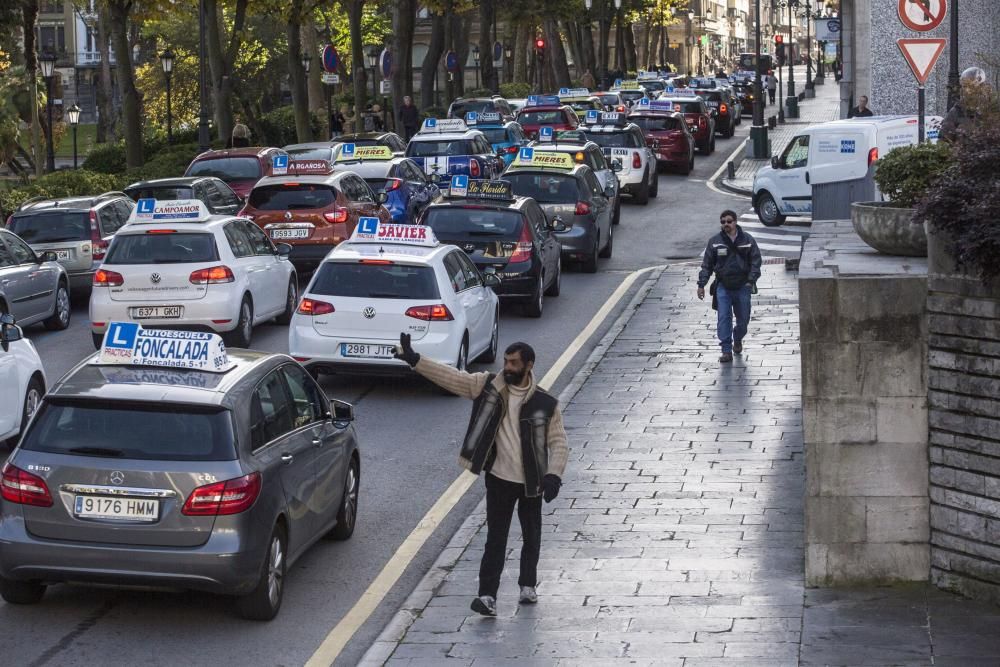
(758, 131)
(167, 62)
(475, 59)
(48, 64)
(204, 141)
(791, 101)
(371, 58)
(73, 114)
(809, 82)
(690, 41)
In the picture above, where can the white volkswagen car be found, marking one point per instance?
(22, 375)
(390, 279)
(176, 266)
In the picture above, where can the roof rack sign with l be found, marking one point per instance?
(543, 100)
(442, 125)
(463, 187)
(354, 153)
(177, 210)
(373, 230)
(128, 344)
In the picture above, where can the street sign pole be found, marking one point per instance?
(920, 114)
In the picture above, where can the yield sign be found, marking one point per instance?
(921, 54)
(922, 15)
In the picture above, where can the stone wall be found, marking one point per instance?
(964, 399)
(863, 339)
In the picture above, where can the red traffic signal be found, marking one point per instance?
(539, 43)
(779, 39)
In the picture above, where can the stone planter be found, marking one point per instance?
(888, 229)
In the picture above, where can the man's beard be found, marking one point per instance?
(514, 379)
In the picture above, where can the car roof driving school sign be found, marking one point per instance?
(128, 344)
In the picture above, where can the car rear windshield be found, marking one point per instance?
(583, 106)
(614, 139)
(657, 123)
(292, 196)
(322, 153)
(172, 248)
(459, 109)
(452, 223)
(443, 147)
(541, 117)
(631, 95)
(376, 184)
(545, 188)
(687, 107)
(227, 168)
(609, 99)
(52, 227)
(132, 430)
(495, 135)
(375, 281)
(163, 192)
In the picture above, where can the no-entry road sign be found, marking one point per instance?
(922, 15)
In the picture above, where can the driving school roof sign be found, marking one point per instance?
(537, 158)
(353, 153)
(128, 344)
(177, 210)
(464, 187)
(372, 230)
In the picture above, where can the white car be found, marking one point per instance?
(176, 266)
(624, 144)
(391, 279)
(22, 375)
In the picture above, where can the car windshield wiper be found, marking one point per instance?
(386, 295)
(59, 240)
(97, 451)
(483, 232)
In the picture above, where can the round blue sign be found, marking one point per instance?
(451, 61)
(386, 63)
(330, 60)
(497, 51)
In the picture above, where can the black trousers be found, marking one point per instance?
(501, 496)
(770, 93)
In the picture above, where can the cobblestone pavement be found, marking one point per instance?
(677, 538)
(824, 107)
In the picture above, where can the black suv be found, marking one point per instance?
(503, 233)
(77, 229)
(462, 106)
(217, 195)
(719, 101)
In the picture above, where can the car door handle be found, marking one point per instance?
(807, 178)
(317, 442)
(286, 458)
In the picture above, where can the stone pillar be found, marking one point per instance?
(863, 339)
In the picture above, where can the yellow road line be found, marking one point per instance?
(342, 633)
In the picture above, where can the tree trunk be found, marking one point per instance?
(619, 44)
(521, 49)
(450, 85)
(428, 69)
(354, 8)
(131, 100)
(487, 73)
(107, 111)
(314, 84)
(404, 16)
(297, 75)
(642, 45)
(630, 55)
(587, 49)
(603, 37)
(572, 31)
(29, 17)
(557, 54)
(463, 28)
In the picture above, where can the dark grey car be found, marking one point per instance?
(181, 478)
(34, 287)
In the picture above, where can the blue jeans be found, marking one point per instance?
(732, 302)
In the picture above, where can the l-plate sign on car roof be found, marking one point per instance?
(372, 230)
(128, 344)
(177, 210)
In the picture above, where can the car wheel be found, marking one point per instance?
(609, 248)
(21, 592)
(264, 601)
(240, 336)
(590, 264)
(655, 190)
(642, 194)
(711, 146)
(291, 301)
(98, 340)
(556, 286)
(60, 317)
(347, 515)
(688, 166)
(618, 211)
(768, 212)
(534, 305)
(490, 355)
(32, 400)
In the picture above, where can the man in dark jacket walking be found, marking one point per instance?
(516, 436)
(733, 257)
(409, 117)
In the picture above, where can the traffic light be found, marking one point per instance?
(540, 48)
(779, 49)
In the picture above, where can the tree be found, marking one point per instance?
(354, 9)
(428, 69)
(297, 78)
(119, 11)
(221, 60)
(107, 110)
(404, 17)
(487, 16)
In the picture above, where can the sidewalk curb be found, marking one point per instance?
(387, 641)
(736, 157)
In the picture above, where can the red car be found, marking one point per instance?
(699, 118)
(240, 168)
(546, 110)
(668, 135)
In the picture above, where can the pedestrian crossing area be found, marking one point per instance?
(784, 241)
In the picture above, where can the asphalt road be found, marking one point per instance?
(409, 436)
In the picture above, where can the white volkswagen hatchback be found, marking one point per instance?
(22, 375)
(391, 279)
(176, 266)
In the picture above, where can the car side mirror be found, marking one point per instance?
(616, 165)
(435, 178)
(609, 191)
(283, 250)
(48, 256)
(655, 145)
(775, 162)
(491, 280)
(381, 197)
(557, 224)
(9, 332)
(342, 410)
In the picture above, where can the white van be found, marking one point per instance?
(841, 150)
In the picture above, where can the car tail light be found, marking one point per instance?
(702, 122)
(393, 184)
(230, 497)
(105, 278)
(212, 276)
(474, 168)
(436, 313)
(582, 208)
(620, 108)
(636, 160)
(336, 215)
(872, 156)
(23, 488)
(524, 246)
(161, 231)
(380, 262)
(311, 307)
(723, 108)
(579, 156)
(100, 245)
(511, 149)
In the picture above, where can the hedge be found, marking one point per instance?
(67, 183)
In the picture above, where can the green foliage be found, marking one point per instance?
(106, 158)
(279, 127)
(906, 172)
(168, 162)
(435, 112)
(515, 90)
(67, 183)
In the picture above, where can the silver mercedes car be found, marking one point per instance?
(134, 474)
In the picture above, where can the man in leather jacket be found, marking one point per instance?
(734, 258)
(516, 435)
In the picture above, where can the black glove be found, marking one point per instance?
(550, 487)
(405, 351)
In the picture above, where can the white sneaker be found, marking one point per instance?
(485, 605)
(528, 595)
